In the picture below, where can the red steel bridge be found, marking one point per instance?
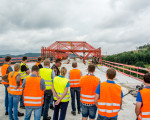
(62, 49)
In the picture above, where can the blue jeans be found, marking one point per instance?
(13, 103)
(105, 118)
(37, 113)
(47, 98)
(21, 98)
(6, 98)
(89, 111)
(63, 106)
(75, 91)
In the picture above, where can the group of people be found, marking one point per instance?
(46, 86)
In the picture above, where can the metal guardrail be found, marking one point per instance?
(123, 68)
(17, 59)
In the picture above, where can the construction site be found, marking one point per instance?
(84, 53)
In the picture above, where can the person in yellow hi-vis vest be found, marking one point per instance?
(24, 72)
(61, 94)
(48, 75)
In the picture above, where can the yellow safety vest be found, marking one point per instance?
(23, 73)
(46, 73)
(59, 86)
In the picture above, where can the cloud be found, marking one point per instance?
(115, 26)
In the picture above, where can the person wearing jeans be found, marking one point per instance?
(13, 103)
(88, 85)
(34, 87)
(61, 94)
(74, 77)
(5, 69)
(108, 108)
(14, 92)
(37, 111)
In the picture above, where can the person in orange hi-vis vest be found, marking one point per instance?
(14, 91)
(108, 97)
(5, 69)
(142, 109)
(38, 63)
(34, 87)
(74, 76)
(88, 84)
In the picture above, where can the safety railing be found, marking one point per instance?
(128, 70)
(18, 59)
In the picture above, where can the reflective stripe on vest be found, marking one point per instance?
(13, 89)
(140, 118)
(109, 111)
(87, 98)
(59, 86)
(145, 109)
(65, 98)
(75, 75)
(34, 98)
(23, 73)
(145, 113)
(4, 72)
(111, 106)
(41, 102)
(46, 73)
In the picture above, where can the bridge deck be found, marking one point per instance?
(128, 108)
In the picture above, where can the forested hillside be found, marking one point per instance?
(139, 57)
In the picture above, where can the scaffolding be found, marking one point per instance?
(62, 49)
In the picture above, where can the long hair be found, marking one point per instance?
(63, 71)
(16, 67)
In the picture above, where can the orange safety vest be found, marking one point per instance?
(37, 63)
(88, 84)
(33, 95)
(110, 98)
(145, 109)
(75, 75)
(4, 72)
(12, 85)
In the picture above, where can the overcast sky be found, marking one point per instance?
(113, 25)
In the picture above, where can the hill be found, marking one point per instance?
(139, 57)
(21, 55)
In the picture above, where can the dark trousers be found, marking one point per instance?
(21, 98)
(6, 98)
(47, 98)
(63, 106)
(75, 91)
